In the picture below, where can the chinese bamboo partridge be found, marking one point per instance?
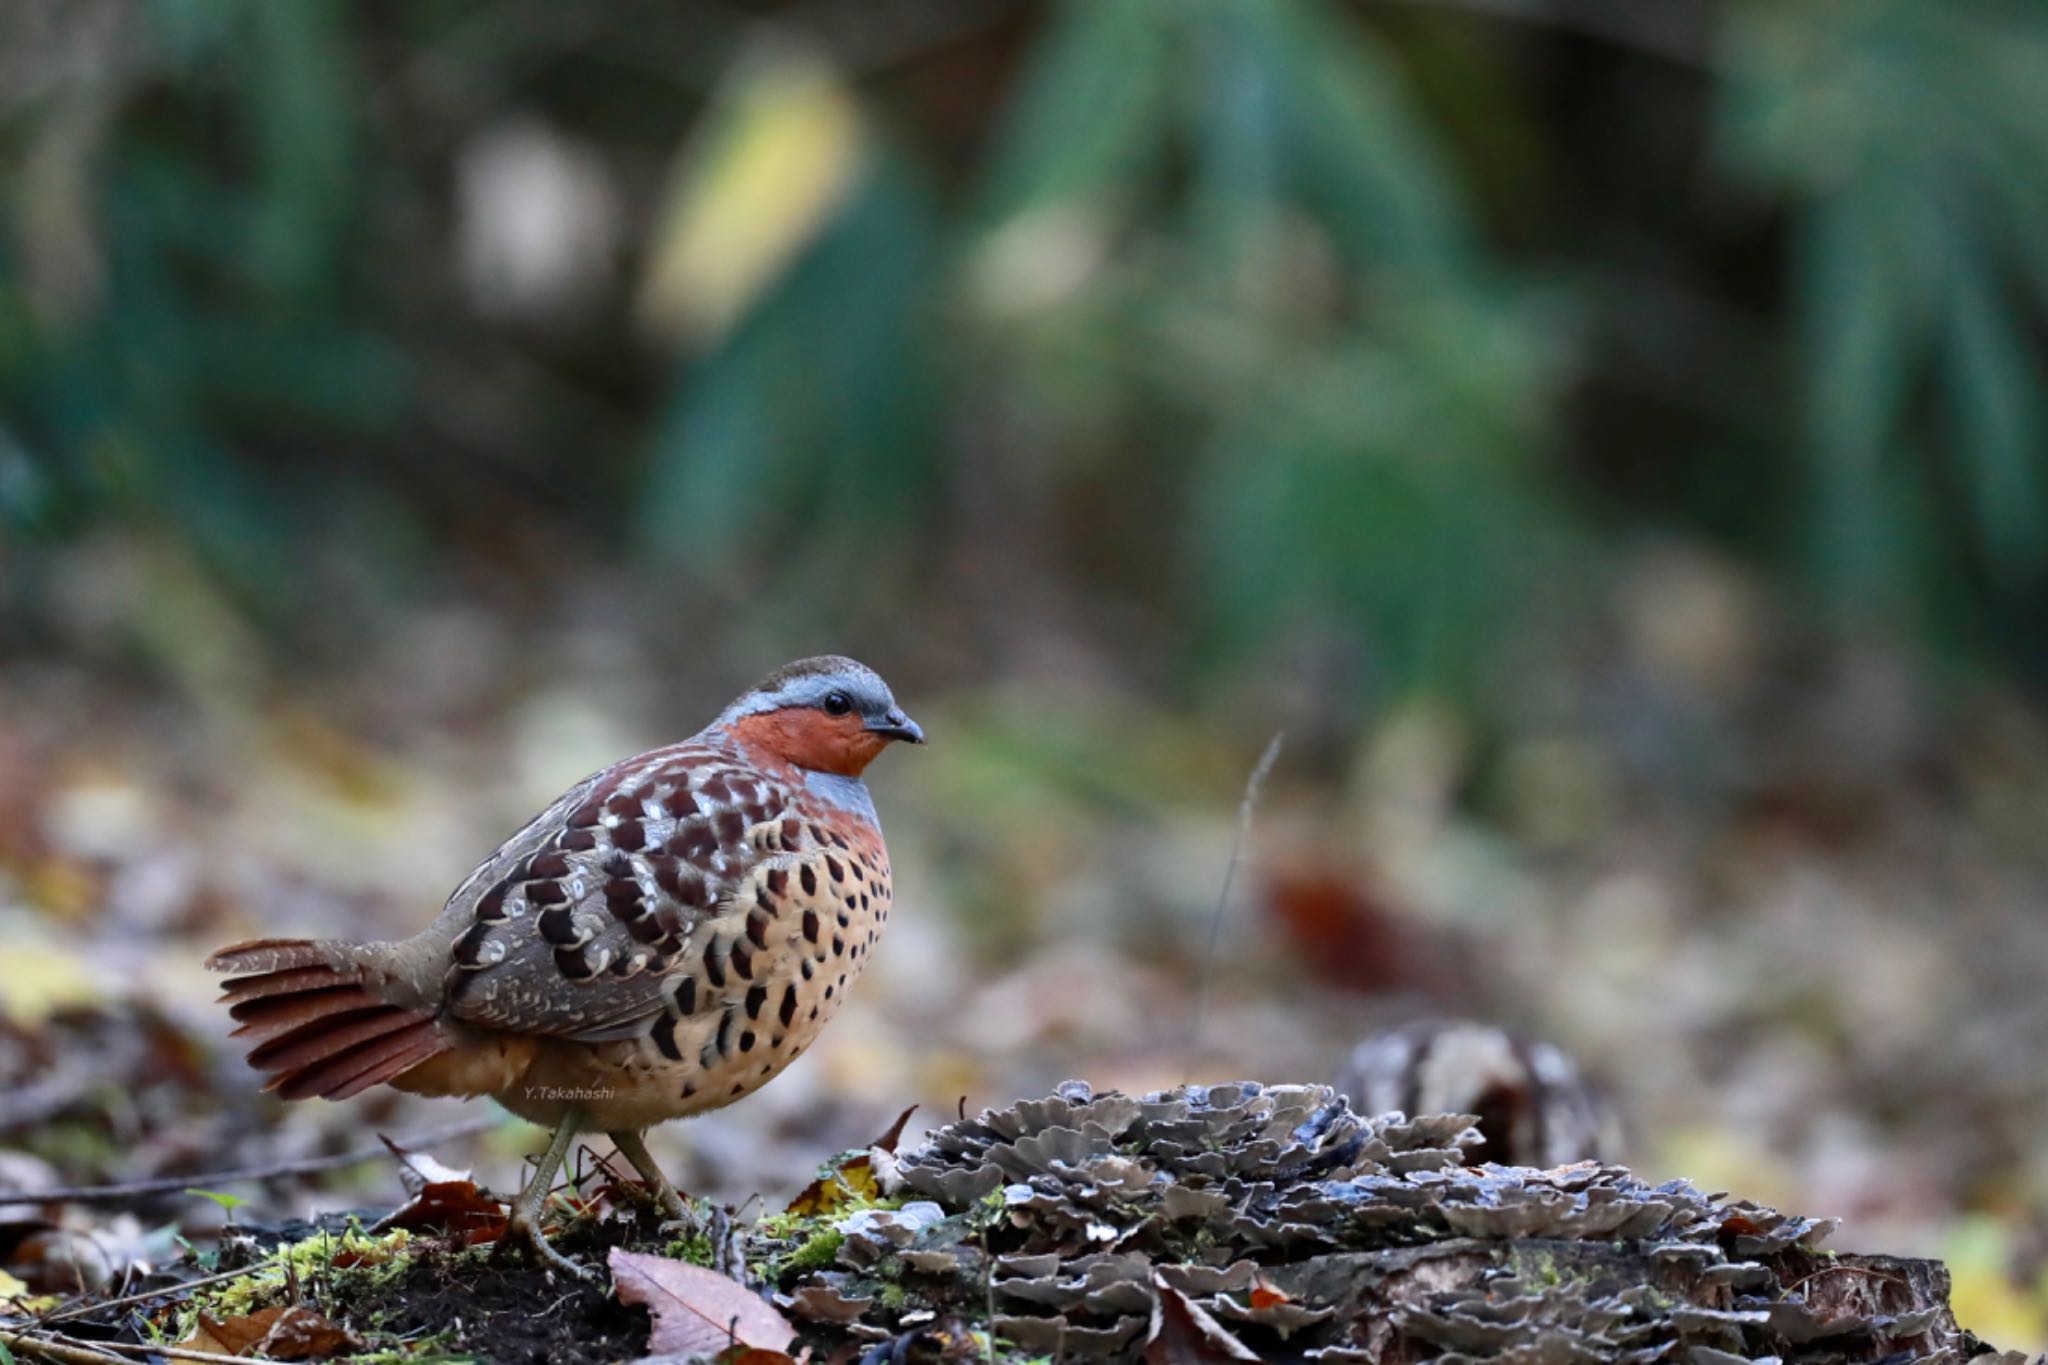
(662, 940)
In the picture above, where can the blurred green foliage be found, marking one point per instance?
(1367, 325)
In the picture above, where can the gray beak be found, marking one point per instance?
(896, 725)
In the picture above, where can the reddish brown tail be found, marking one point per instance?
(316, 1029)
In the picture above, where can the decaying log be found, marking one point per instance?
(1271, 1222)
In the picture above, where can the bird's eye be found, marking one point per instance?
(837, 703)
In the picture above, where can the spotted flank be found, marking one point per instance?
(710, 909)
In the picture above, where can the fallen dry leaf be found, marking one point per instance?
(417, 1170)
(1266, 1296)
(1183, 1334)
(277, 1333)
(451, 1206)
(696, 1311)
(850, 1177)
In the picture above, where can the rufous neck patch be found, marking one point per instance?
(808, 738)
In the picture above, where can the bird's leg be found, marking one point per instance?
(522, 1226)
(726, 1256)
(633, 1146)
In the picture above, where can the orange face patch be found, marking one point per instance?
(811, 739)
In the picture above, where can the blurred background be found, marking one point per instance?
(1610, 440)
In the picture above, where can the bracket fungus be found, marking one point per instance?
(1246, 1221)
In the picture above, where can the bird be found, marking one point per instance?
(662, 940)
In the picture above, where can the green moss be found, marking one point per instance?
(808, 1242)
(695, 1249)
(1538, 1267)
(375, 1261)
(816, 1252)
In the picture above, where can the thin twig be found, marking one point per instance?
(44, 1348)
(1245, 808)
(82, 1310)
(149, 1348)
(180, 1184)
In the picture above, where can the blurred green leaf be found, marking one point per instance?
(1088, 115)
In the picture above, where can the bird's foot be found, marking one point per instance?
(523, 1235)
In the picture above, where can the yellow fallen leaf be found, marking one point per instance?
(762, 175)
(38, 979)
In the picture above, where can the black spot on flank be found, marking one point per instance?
(557, 926)
(792, 830)
(628, 835)
(743, 961)
(811, 925)
(787, 1010)
(818, 834)
(814, 1012)
(845, 920)
(679, 804)
(858, 875)
(686, 995)
(714, 968)
(828, 992)
(836, 868)
(689, 1089)
(747, 1040)
(757, 930)
(839, 841)
(547, 866)
(838, 946)
(469, 948)
(545, 893)
(809, 876)
(863, 900)
(807, 968)
(757, 996)
(738, 1087)
(577, 840)
(571, 963)
(724, 1040)
(778, 880)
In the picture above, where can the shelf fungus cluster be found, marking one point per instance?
(1249, 1222)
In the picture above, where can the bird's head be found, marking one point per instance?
(828, 714)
